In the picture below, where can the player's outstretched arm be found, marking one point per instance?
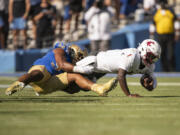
(123, 83)
(69, 67)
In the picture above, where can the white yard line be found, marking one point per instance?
(159, 84)
(7, 85)
(130, 83)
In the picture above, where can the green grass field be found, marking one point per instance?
(84, 113)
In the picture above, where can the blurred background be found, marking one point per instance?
(29, 28)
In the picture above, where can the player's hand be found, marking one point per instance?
(134, 95)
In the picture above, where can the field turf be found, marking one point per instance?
(84, 113)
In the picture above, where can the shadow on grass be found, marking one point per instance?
(161, 96)
(53, 99)
(15, 112)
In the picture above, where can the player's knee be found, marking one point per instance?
(36, 73)
(73, 77)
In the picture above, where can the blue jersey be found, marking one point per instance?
(49, 60)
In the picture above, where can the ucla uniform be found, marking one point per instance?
(54, 78)
(49, 60)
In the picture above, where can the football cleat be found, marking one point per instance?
(111, 85)
(103, 89)
(16, 86)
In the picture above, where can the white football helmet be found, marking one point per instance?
(150, 51)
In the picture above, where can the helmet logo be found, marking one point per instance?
(149, 43)
(150, 51)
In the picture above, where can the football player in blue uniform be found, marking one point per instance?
(55, 71)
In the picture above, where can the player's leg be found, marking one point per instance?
(35, 74)
(101, 89)
(94, 76)
(24, 80)
(54, 83)
(63, 80)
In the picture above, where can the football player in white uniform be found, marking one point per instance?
(128, 61)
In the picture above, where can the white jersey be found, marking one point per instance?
(113, 60)
(127, 59)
